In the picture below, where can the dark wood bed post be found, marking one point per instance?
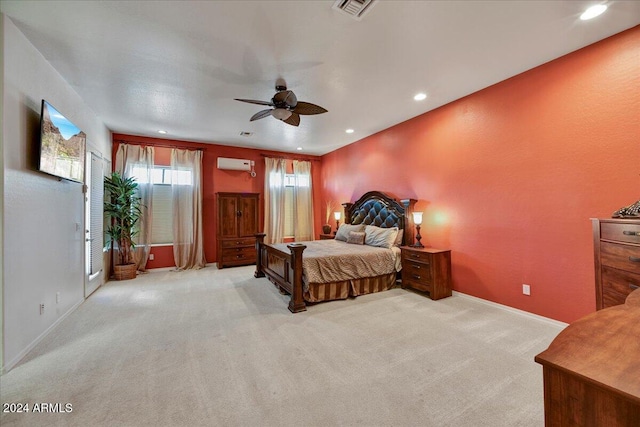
(409, 226)
(347, 212)
(296, 304)
(259, 241)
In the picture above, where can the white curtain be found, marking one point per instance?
(274, 196)
(186, 190)
(302, 201)
(137, 161)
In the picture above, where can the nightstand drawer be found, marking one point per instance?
(416, 256)
(417, 272)
(622, 257)
(627, 233)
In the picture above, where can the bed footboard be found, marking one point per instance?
(282, 269)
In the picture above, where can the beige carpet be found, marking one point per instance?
(219, 348)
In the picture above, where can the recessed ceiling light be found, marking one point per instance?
(162, 131)
(593, 11)
(299, 148)
(420, 96)
(349, 131)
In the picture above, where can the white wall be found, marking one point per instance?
(43, 225)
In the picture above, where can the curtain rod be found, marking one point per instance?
(290, 157)
(122, 141)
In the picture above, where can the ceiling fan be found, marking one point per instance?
(286, 106)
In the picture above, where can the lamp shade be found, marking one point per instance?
(417, 218)
(281, 113)
(337, 215)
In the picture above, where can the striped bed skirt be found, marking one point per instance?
(317, 292)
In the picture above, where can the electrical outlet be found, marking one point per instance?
(42, 308)
(57, 297)
(526, 289)
(151, 257)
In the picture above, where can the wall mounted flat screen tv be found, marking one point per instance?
(62, 145)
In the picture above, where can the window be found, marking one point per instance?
(162, 199)
(289, 205)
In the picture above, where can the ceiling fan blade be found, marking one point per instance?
(307, 108)
(261, 115)
(253, 101)
(293, 120)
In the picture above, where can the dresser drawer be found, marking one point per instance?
(627, 233)
(416, 272)
(610, 299)
(239, 254)
(622, 257)
(617, 285)
(241, 241)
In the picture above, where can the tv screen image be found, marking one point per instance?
(62, 145)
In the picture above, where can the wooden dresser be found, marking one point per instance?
(592, 369)
(427, 270)
(237, 225)
(616, 245)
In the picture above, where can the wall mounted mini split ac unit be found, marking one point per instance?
(234, 164)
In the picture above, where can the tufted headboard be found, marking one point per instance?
(377, 208)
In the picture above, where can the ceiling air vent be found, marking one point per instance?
(354, 8)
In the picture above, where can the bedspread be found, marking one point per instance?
(326, 261)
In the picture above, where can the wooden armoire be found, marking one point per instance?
(238, 218)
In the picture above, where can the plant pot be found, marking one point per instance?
(326, 229)
(124, 271)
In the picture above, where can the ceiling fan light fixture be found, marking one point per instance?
(281, 113)
(593, 11)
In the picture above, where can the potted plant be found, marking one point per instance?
(123, 209)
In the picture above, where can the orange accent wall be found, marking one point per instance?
(216, 180)
(508, 177)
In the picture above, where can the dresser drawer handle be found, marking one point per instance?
(633, 287)
(631, 233)
(416, 276)
(416, 267)
(634, 259)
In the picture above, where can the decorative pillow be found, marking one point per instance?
(398, 241)
(356, 237)
(381, 237)
(343, 231)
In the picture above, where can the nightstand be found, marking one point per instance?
(327, 236)
(427, 270)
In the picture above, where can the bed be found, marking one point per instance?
(325, 270)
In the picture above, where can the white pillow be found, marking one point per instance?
(381, 237)
(344, 229)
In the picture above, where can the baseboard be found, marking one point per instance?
(553, 322)
(7, 367)
(161, 269)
